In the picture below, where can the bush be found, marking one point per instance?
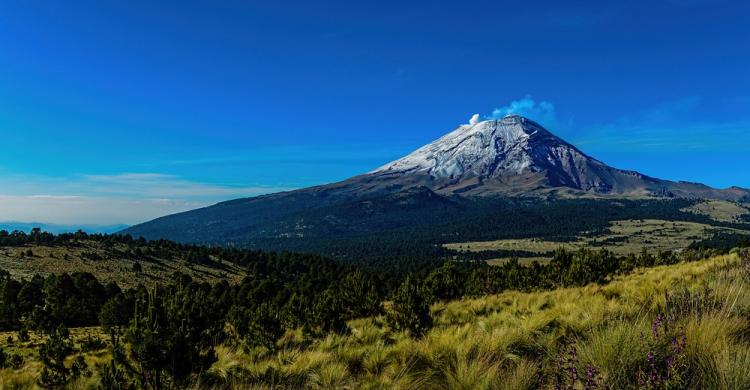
(92, 344)
(259, 326)
(52, 355)
(23, 335)
(410, 311)
(16, 362)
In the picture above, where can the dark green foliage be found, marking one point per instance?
(52, 354)
(112, 377)
(259, 326)
(79, 367)
(359, 294)
(23, 335)
(16, 361)
(116, 313)
(91, 343)
(137, 268)
(724, 241)
(329, 312)
(445, 282)
(582, 267)
(410, 311)
(7, 360)
(172, 334)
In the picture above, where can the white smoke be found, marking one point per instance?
(474, 119)
(542, 112)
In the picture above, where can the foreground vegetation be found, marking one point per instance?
(678, 326)
(586, 319)
(675, 326)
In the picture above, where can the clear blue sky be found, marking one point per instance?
(116, 112)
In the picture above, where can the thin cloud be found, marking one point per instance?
(167, 186)
(669, 127)
(88, 210)
(111, 199)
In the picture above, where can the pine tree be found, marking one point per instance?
(52, 354)
(410, 311)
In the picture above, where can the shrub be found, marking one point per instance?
(52, 355)
(410, 311)
(92, 344)
(23, 335)
(16, 361)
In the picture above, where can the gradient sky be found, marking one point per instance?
(117, 112)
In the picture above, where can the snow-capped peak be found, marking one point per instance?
(483, 149)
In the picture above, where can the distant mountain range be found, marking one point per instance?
(443, 181)
(57, 229)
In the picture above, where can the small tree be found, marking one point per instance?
(172, 333)
(112, 378)
(23, 335)
(410, 310)
(115, 315)
(52, 354)
(259, 326)
(328, 312)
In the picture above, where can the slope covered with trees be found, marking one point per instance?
(172, 334)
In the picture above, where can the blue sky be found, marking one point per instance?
(117, 112)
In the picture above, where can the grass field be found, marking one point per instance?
(107, 263)
(624, 237)
(720, 210)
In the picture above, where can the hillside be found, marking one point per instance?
(511, 171)
(125, 265)
(674, 326)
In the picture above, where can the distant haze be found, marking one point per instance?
(57, 229)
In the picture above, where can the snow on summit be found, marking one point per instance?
(484, 149)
